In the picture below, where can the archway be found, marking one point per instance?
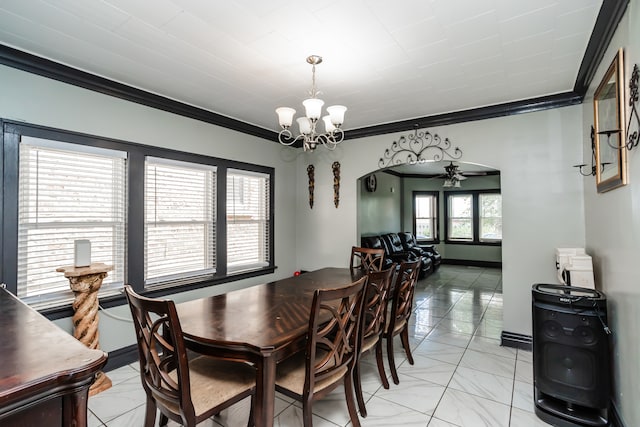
(390, 207)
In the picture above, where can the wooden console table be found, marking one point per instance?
(45, 373)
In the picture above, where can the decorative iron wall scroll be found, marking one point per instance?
(418, 148)
(312, 183)
(336, 183)
(632, 136)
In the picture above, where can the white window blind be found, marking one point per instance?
(179, 221)
(247, 220)
(68, 192)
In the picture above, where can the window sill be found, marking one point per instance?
(471, 243)
(62, 311)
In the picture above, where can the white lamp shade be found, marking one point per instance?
(337, 114)
(328, 126)
(313, 108)
(305, 125)
(285, 116)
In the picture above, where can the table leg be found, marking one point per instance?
(265, 391)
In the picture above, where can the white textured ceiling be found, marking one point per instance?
(385, 60)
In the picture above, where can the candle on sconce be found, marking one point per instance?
(82, 253)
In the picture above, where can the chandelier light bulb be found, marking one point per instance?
(304, 124)
(285, 116)
(336, 112)
(313, 108)
(328, 126)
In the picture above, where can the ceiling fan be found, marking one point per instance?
(453, 176)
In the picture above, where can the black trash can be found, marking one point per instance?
(571, 370)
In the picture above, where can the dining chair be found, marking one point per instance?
(374, 317)
(401, 308)
(367, 259)
(331, 350)
(183, 390)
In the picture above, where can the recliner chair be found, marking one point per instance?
(398, 253)
(410, 244)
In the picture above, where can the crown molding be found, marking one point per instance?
(482, 113)
(609, 16)
(44, 67)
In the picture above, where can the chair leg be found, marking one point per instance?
(358, 387)
(404, 336)
(307, 419)
(348, 391)
(380, 363)
(163, 420)
(150, 414)
(251, 422)
(392, 362)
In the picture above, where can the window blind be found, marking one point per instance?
(247, 220)
(68, 192)
(179, 221)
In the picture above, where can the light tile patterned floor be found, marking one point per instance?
(461, 376)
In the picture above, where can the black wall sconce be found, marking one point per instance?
(592, 172)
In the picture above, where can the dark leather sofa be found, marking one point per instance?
(396, 251)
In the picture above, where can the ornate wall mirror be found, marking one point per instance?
(608, 110)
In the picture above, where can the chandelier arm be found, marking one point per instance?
(285, 137)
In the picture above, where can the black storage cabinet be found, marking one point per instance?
(571, 369)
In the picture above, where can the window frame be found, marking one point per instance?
(435, 220)
(475, 218)
(10, 133)
(71, 218)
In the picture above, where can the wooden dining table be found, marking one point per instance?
(262, 324)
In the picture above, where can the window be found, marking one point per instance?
(247, 220)
(425, 216)
(179, 228)
(460, 217)
(490, 217)
(166, 220)
(67, 192)
(474, 217)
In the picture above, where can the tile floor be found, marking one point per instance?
(461, 376)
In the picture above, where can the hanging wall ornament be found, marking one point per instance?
(312, 184)
(336, 183)
(419, 147)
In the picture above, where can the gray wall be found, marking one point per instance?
(613, 235)
(380, 211)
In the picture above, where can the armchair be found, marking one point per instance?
(410, 244)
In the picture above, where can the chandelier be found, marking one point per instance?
(308, 125)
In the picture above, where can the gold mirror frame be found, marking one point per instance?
(608, 111)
